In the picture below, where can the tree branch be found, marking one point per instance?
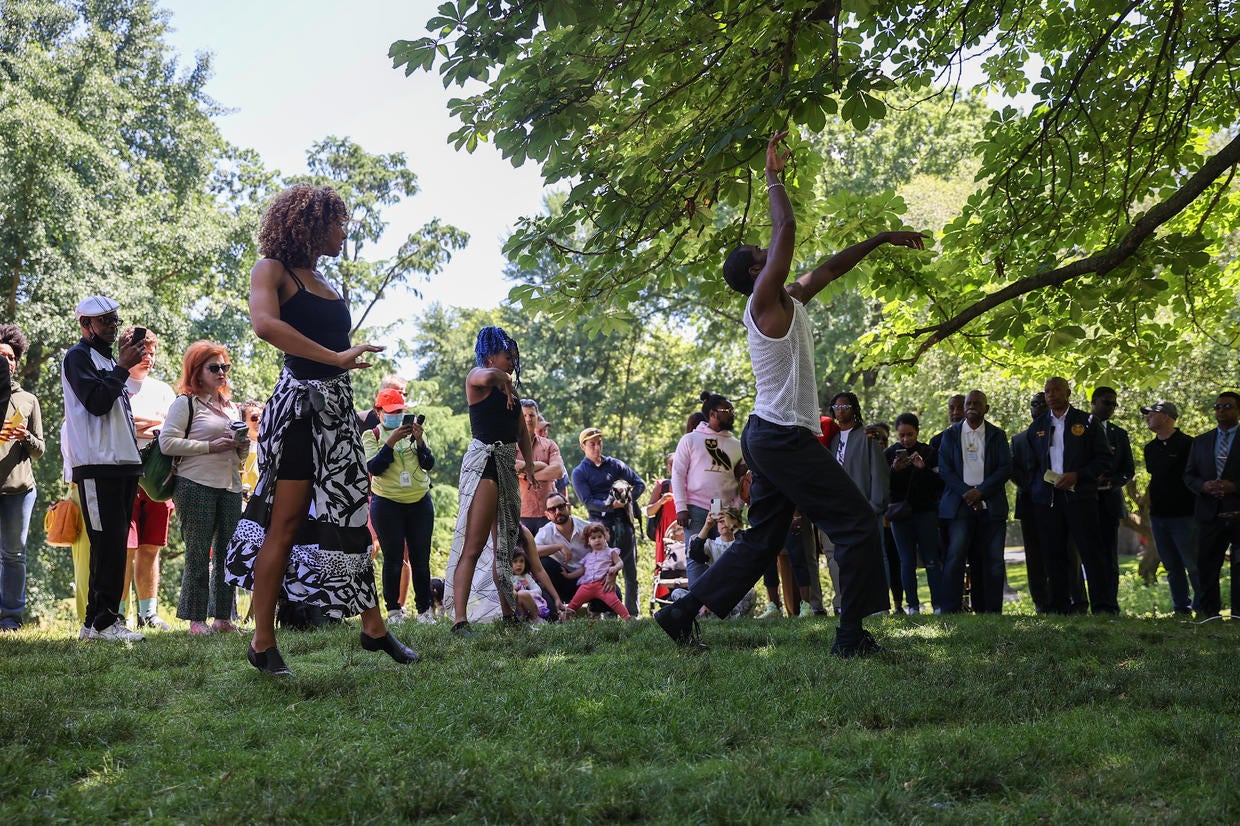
(1100, 263)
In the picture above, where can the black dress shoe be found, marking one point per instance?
(269, 661)
(681, 625)
(395, 649)
(865, 646)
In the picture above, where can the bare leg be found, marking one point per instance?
(146, 570)
(479, 524)
(406, 573)
(289, 507)
(130, 556)
(373, 624)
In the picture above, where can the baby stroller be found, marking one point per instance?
(669, 568)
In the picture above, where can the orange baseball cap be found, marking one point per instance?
(390, 400)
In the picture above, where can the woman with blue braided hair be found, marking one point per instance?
(478, 582)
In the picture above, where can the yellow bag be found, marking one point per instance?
(63, 522)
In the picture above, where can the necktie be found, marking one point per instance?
(1224, 448)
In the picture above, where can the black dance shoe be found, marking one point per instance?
(865, 646)
(269, 662)
(681, 625)
(394, 648)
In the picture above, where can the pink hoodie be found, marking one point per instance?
(702, 468)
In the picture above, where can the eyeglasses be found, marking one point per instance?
(563, 506)
(1224, 406)
(109, 320)
(219, 368)
(841, 407)
(724, 408)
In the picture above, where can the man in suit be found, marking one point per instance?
(1213, 473)
(1111, 510)
(1071, 454)
(1024, 474)
(974, 464)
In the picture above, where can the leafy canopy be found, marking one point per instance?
(1100, 213)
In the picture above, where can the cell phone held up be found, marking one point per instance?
(413, 418)
(139, 336)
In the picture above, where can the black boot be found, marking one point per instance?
(679, 620)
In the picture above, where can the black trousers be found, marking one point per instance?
(1035, 565)
(624, 539)
(793, 471)
(1076, 518)
(107, 506)
(1213, 538)
(404, 527)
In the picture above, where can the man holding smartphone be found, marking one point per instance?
(101, 448)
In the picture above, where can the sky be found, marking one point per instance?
(292, 73)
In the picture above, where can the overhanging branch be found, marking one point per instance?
(1100, 263)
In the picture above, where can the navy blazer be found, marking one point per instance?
(1086, 451)
(997, 468)
(1201, 469)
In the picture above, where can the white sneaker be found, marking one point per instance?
(396, 617)
(153, 621)
(914, 610)
(427, 617)
(88, 633)
(118, 632)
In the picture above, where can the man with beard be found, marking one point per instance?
(704, 469)
(101, 445)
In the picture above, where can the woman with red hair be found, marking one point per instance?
(201, 430)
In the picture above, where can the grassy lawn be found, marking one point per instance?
(1011, 719)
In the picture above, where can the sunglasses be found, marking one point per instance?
(841, 407)
(554, 508)
(109, 320)
(219, 368)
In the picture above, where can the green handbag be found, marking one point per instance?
(158, 478)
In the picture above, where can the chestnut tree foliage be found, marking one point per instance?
(1097, 233)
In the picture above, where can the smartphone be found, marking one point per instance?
(139, 335)
(421, 418)
(716, 506)
(409, 419)
(901, 453)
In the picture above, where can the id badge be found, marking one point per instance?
(406, 479)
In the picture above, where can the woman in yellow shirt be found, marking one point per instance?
(401, 510)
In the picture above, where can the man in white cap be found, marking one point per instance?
(101, 447)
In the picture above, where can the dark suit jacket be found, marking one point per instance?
(1201, 469)
(1085, 451)
(1024, 469)
(1111, 502)
(997, 468)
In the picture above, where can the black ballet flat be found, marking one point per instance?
(269, 662)
(394, 648)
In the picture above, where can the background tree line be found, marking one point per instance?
(114, 178)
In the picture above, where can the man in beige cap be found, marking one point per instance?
(101, 446)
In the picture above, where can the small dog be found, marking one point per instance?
(437, 609)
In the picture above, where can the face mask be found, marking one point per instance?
(391, 420)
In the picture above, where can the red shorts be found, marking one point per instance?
(149, 524)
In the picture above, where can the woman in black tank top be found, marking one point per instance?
(294, 308)
(490, 499)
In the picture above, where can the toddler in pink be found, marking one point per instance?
(598, 569)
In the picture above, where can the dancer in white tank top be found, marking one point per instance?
(791, 469)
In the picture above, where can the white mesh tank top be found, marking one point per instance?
(783, 371)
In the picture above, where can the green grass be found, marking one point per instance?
(1011, 719)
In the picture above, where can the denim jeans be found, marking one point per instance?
(15, 510)
(919, 532)
(697, 518)
(1175, 539)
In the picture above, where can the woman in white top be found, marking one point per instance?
(199, 429)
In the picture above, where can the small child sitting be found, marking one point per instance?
(598, 568)
(531, 606)
(703, 550)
